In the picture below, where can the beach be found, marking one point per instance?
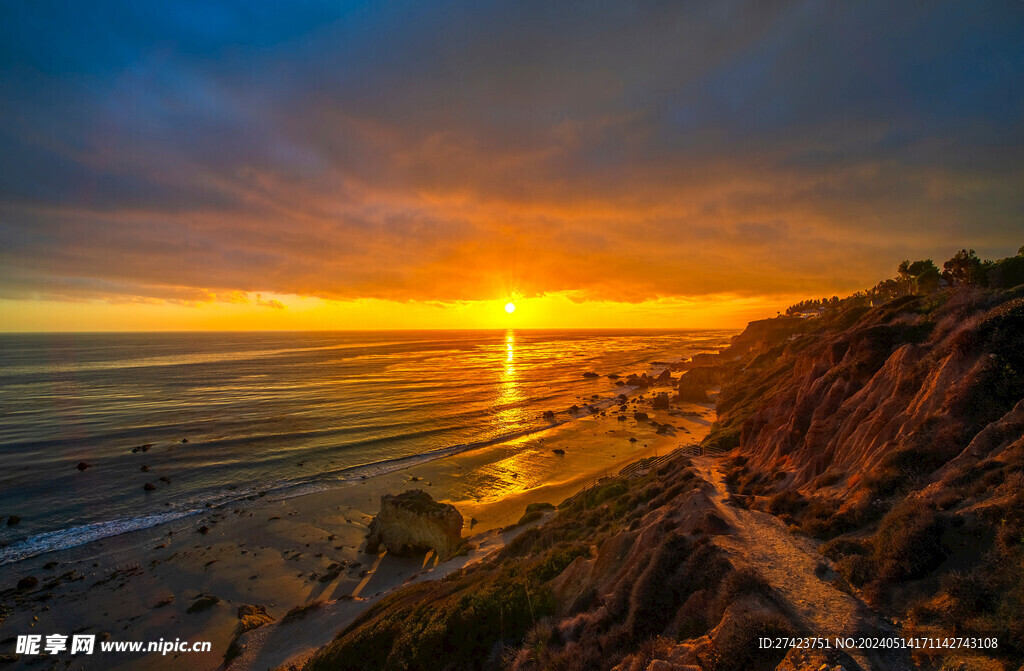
(186, 579)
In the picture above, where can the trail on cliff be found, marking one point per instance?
(792, 565)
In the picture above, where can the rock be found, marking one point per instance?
(28, 582)
(660, 402)
(413, 522)
(202, 602)
(548, 415)
(82, 466)
(559, 452)
(693, 384)
(164, 478)
(141, 448)
(590, 374)
(184, 440)
(203, 530)
(640, 416)
(149, 486)
(252, 616)
(620, 383)
(574, 409)
(665, 377)
(144, 468)
(622, 418)
(13, 520)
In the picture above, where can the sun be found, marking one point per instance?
(510, 307)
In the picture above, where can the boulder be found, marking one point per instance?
(590, 374)
(251, 617)
(13, 520)
(413, 522)
(549, 415)
(660, 402)
(82, 466)
(640, 416)
(640, 381)
(202, 602)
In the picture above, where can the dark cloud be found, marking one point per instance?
(456, 151)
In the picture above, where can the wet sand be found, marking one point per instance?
(287, 553)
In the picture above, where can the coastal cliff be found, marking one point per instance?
(864, 475)
(896, 434)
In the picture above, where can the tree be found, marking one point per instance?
(920, 276)
(964, 268)
(928, 280)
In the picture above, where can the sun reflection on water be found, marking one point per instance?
(510, 413)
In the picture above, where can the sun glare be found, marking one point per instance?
(510, 307)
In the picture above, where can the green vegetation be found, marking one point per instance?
(923, 277)
(920, 526)
(658, 586)
(534, 511)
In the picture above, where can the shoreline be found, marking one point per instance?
(283, 553)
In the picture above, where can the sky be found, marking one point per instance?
(315, 164)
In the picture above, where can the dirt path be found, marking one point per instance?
(792, 565)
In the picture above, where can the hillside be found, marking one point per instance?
(896, 433)
(864, 477)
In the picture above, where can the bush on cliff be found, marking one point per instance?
(908, 543)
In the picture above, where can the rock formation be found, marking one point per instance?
(413, 522)
(694, 383)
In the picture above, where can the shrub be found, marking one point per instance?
(530, 516)
(656, 592)
(735, 648)
(908, 543)
(857, 569)
(787, 502)
(837, 548)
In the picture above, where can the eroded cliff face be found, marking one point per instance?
(908, 385)
(896, 434)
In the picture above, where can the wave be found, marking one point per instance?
(63, 539)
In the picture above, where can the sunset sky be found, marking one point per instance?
(280, 165)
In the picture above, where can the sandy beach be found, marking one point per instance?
(186, 579)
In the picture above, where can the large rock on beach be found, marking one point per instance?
(413, 522)
(694, 384)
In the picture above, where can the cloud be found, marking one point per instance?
(461, 152)
(272, 303)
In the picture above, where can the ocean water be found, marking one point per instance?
(270, 413)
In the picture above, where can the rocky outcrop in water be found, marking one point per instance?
(412, 522)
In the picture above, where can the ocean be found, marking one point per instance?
(210, 419)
